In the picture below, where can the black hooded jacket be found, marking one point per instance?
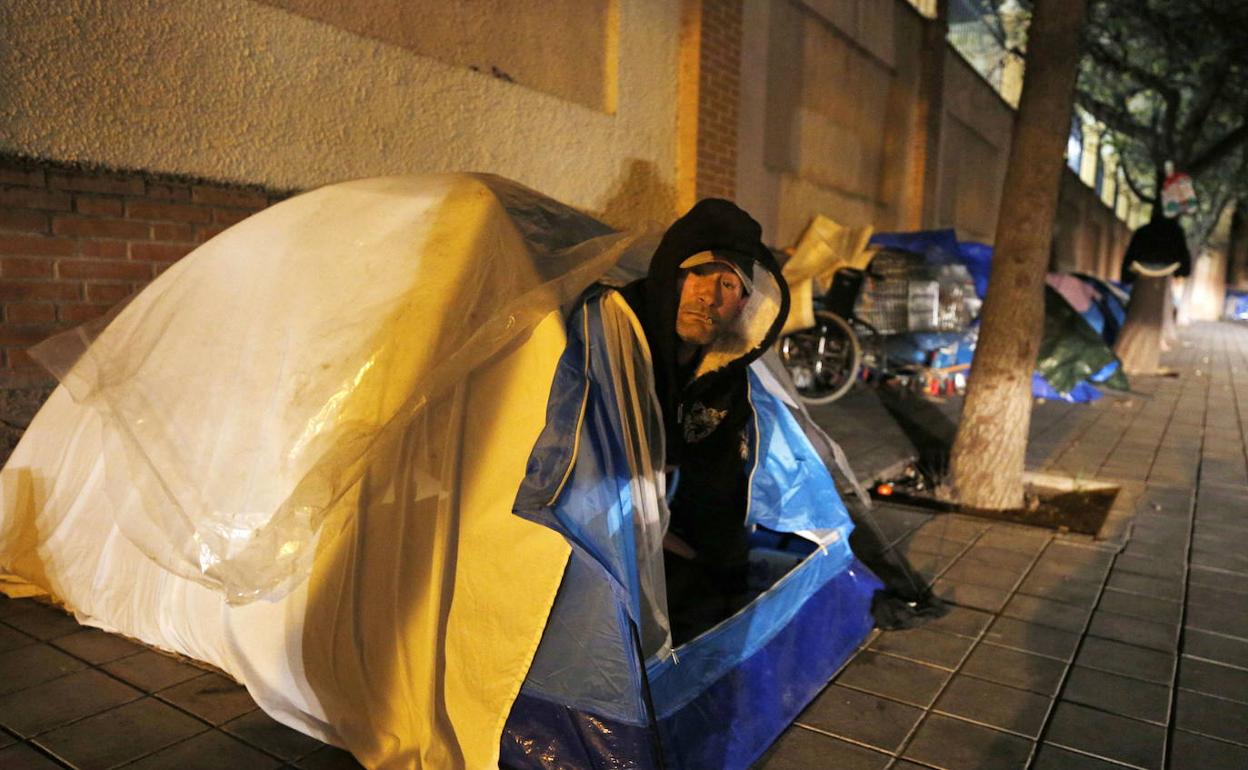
(706, 412)
(1156, 245)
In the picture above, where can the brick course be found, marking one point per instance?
(718, 97)
(74, 242)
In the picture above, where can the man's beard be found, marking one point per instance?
(696, 327)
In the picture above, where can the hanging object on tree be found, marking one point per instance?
(1178, 196)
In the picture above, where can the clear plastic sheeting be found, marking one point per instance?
(250, 386)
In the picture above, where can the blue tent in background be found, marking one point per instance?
(1067, 351)
(1237, 305)
(603, 691)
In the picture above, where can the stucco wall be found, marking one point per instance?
(239, 91)
(829, 123)
(975, 135)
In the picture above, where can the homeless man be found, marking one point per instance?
(711, 302)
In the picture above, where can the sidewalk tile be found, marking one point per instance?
(1066, 591)
(262, 731)
(1021, 542)
(1211, 716)
(10, 607)
(952, 527)
(211, 697)
(981, 574)
(151, 671)
(1006, 708)
(861, 717)
(1213, 679)
(1127, 659)
(971, 595)
(120, 735)
(925, 646)
(1145, 633)
(921, 543)
(1030, 637)
(1144, 566)
(952, 743)
(44, 622)
(23, 757)
(1170, 550)
(895, 678)
(34, 664)
(1014, 668)
(1162, 588)
(802, 749)
(1230, 562)
(1220, 543)
(207, 751)
(1219, 617)
(1067, 617)
(1215, 647)
(1220, 579)
(962, 621)
(1118, 694)
(1050, 757)
(1142, 607)
(63, 700)
(96, 647)
(1107, 735)
(1007, 558)
(1196, 752)
(11, 639)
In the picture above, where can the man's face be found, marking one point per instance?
(711, 297)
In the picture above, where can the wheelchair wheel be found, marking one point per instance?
(824, 360)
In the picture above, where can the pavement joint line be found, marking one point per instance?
(847, 739)
(1193, 502)
(1217, 738)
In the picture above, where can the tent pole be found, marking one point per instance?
(656, 744)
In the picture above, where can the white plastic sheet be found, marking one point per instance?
(250, 386)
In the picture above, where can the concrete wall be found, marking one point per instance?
(1087, 236)
(245, 92)
(847, 112)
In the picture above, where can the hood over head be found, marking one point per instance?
(718, 226)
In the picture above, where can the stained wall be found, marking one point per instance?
(289, 94)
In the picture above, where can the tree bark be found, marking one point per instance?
(990, 447)
(1139, 342)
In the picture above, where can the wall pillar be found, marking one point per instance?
(710, 86)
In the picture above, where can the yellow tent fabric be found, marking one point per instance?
(294, 457)
(824, 248)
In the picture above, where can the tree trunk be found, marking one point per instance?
(1139, 342)
(990, 446)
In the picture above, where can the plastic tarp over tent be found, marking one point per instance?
(299, 453)
(341, 388)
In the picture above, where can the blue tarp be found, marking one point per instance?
(1237, 305)
(1105, 317)
(943, 246)
(736, 687)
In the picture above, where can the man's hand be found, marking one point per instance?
(679, 547)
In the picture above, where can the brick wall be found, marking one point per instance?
(75, 242)
(718, 97)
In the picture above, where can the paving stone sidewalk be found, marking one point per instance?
(1060, 652)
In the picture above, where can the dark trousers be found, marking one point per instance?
(700, 594)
